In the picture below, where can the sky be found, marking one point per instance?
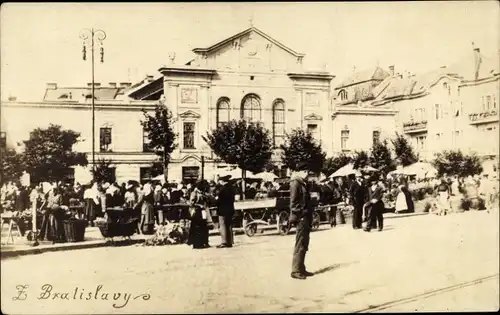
(39, 43)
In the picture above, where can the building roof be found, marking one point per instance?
(374, 73)
(394, 87)
(247, 31)
(77, 93)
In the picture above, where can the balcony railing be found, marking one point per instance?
(483, 117)
(415, 126)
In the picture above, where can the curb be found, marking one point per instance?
(104, 243)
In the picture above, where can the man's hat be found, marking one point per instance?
(225, 178)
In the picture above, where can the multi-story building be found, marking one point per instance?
(452, 107)
(118, 132)
(357, 124)
(251, 76)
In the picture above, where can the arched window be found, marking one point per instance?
(250, 108)
(223, 109)
(343, 95)
(278, 122)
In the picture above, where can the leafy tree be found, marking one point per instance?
(102, 171)
(12, 166)
(241, 143)
(49, 153)
(332, 164)
(404, 151)
(454, 162)
(361, 159)
(301, 146)
(159, 126)
(381, 157)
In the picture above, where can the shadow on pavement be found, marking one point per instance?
(333, 267)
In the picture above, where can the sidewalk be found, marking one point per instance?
(93, 239)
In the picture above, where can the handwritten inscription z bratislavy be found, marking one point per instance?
(47, 292)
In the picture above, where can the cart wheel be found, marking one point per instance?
(315, 221)
(283, 223)
(251, 229)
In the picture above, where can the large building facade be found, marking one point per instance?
(119, 137)
(254, 77)
(248, 76)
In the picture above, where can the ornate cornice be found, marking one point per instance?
(190, 114)
(313, 117)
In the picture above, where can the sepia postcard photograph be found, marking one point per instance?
(249, 157)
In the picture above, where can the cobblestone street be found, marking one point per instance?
(424, 263)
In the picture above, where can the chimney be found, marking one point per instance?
(12, 98)
(51, 86)
(112, 84)
(477, 62)
(125, 84)
(149, 78)
(391, 70)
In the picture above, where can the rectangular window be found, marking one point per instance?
(437, 112)
(105, 139)
(146, 143)
(189, 135)
(375, 136)
(494, 101)
(344, 140)
(488, 102)
(313, 129)
(483, 103)
(190, 173)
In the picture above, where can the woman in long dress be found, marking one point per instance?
(401, 204)
(145, 202)
(198, 231)
(443, 191)
(91, 201)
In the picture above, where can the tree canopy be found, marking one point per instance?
(454, 162)
(159, 126)
(241, 143)
(381, 157)
(48, 153)
(361, 159)
(332, 164)
(301, 146)
(102, 171)
(12, 166)
(404, 151)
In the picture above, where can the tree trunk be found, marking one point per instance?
(165, 172)
(243, 186)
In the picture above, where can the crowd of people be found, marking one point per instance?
(368, 195)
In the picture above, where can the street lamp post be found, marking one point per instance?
(90, 36)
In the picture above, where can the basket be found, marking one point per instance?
(74, 230)
(113, 229)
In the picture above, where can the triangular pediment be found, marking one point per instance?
(313, 117)
(189, 114)
(242, 34)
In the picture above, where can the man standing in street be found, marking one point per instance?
(225, 212)
(300, 214)
(358, 195)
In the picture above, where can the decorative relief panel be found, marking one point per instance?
(189, 95)
(312, 99)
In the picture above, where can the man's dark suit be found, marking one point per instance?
(358, 196)
(376, 209)
(225, 212)
(301, 212)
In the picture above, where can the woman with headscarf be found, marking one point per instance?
(92, 200)
(145, 202)
(198, 231)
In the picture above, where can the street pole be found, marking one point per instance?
(93, 35)
(202, 167)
